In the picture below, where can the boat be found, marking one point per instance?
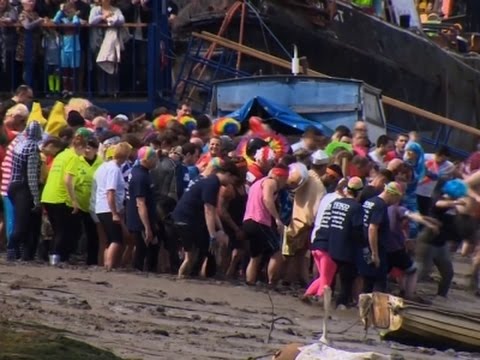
(296, 102)
(413, 323)
(403, 62)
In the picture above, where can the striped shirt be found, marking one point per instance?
(7, 165)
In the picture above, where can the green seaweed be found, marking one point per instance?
(29, 342)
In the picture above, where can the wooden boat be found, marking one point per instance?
(414, 323)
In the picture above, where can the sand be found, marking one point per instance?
(139, 316)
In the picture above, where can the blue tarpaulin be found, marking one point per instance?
(277, 112)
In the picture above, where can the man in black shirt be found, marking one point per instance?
(376, 185)
(196, 216)
(141, 210)
(372, 259)
(432, 247)
(345, 232)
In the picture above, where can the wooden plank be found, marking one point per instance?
(286, 64)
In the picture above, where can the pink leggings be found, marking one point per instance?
(327, 269)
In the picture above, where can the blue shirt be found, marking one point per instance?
(71, 38)
(140, 186)
(190, 208)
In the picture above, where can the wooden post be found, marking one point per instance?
(385, 99)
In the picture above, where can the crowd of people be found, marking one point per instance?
(62, 47)
(199, 197)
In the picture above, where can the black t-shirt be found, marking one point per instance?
(321, 236)
(139, 186)
(345, 226)
(375, 211)
(190, 208)
(447, 232)
(368, 192)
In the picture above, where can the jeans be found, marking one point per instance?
(9, 214)
(428, 255)
(26, 231)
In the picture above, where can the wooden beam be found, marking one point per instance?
(287, 65)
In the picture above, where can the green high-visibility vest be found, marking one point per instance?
(363, 3)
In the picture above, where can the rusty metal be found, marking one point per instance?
(242, 31)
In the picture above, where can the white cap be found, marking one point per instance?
(320, 157)
(122, 117)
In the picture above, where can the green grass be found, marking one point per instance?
(29, 342)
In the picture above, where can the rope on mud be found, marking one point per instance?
(275, 319)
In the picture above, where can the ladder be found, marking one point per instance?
(200, 67)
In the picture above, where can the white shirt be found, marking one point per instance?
(376, 158)
(297, 146)
(108, 177)
(326, 200)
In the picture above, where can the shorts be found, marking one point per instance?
(94, 217)
(466, 227)
(263, 239)
(112, 229)
(70, 59)
(193, 237)
(400, 259)
(233, 242)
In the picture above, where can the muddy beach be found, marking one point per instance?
(136, 316)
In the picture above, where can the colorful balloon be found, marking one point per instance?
(160, 122)
(226, 126)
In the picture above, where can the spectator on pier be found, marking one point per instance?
(29, 45)
(106, 44)
(8, 16)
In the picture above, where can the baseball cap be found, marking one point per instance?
(320, 157)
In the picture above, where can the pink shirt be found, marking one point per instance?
(256, 209)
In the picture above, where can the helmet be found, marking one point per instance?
(253, 145)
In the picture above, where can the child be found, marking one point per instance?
(69, 45)
(52, 60)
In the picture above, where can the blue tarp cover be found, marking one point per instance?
(276, 111)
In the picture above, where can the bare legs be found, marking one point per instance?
(273, 268)
(112, 256)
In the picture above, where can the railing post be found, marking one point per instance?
(28, 61)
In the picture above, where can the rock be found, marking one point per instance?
(160, 332)
(160, 309)
(200, 301)
(425, 350)
(219, 303)
(84, 305)
(396, 356)
(104, 283)
(196, 317)
(450, 352)
(15, 286)
(290, 331)
(187, 299)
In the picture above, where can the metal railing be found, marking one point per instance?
(63, 60)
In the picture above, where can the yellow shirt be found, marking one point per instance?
(83, 179)
(55, 190)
